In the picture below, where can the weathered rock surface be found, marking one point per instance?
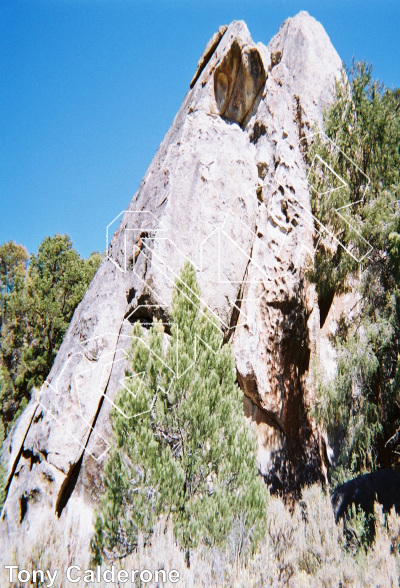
(237, 81)
(226, 189)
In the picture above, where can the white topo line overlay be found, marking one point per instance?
(151, 227)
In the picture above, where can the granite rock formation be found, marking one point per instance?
(228, 190)
(382, 486)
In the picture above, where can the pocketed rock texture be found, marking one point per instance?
(226, 189)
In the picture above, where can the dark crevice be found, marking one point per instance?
(24, 501)
(23, 506)
(284, 208)
(268, 417)
(235, 315)
(259, 130)
(28, 454)
(145, 311)
(18, 457)
(130, 295)
(70, 481)
(141, 244)
(300, 126)
(208, 53)
(254, 107)
(325, 303)
(274, 420)
(37, 418)
(238, 303)
(68, 486)
(286, 306)
(141, 313)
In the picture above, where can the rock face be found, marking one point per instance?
(227, 189)
(382, 486)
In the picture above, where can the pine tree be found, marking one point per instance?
(36, 306)
(189, 455)
(361, 407)
(56, 282)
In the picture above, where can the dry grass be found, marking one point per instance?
(304, 548)
(54, 550)
(301, 549)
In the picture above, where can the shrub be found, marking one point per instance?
(188, 454)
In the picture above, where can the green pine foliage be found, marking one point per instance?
(189, 453)
(361, 407)
(37, 302)
(13, 263)
(56, 282)
(358, 530)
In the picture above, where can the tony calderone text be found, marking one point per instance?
(75, 574)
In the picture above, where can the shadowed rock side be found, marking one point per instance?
(279, 331)
(382, 486)
(227, 189)
(207, 53)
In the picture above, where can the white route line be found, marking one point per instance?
(154, 226)
(106, 371)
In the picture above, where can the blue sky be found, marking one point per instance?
(88, 89)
